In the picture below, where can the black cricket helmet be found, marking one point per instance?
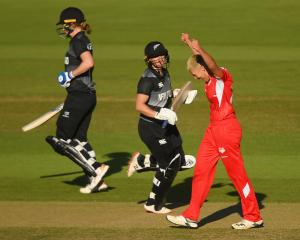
(155, 49)
(67, 17)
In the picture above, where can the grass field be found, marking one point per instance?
(258, 41)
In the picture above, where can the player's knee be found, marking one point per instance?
(173, 167)
(64, 131)
(56, 144)
(87, 146)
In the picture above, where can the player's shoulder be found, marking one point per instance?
(224, 69)
(226, 74)
(82, 40)
(148, 74)
(81, 36)
(147, 80)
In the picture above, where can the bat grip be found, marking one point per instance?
(164, 124)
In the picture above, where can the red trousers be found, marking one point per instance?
(222, 141)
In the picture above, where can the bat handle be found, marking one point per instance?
(164, 124)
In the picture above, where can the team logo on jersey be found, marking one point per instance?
(162, 141)
(164, 95)
(89, 47)
(66, 114)
(67, 61)
(160, 84)
(221, 150)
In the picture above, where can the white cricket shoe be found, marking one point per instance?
(103, 186)
(133, 164)
(245, 224)
(190, 162)
(87, 190)
(182, 221)
(94, 185)
(151, 208)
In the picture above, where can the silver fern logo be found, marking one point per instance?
(155, 46)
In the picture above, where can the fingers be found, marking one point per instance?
(195, 43)
(175, 92)
(185, 37)
(192, 43)
(191, 96)
(166, 114)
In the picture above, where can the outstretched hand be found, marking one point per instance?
(185, 38)
(192, 43)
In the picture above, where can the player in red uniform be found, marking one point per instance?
(221, 141)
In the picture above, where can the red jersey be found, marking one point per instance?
(219, 94)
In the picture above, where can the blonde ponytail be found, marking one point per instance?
(86, 27)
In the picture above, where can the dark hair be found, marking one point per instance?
(201, 61)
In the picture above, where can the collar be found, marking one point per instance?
(78, 35)
(157, 73)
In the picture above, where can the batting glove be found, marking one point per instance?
(191, 96)
(166, 114)
(175, 92)
(64, 79)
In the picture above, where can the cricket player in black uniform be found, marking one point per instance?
(153, 101)
(74, 119)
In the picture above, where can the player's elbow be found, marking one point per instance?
(90, 63)
(138, 107)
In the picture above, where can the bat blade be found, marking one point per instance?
(42, 119)
(181, 96)
(179, 99)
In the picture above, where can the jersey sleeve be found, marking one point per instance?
(145, 86)
(226, 75)
(81, 47)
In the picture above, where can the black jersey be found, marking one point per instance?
(157, 87)
(78, 45)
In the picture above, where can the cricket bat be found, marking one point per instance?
(42, 119)
(180, 99)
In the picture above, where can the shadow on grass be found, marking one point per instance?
(117, 160)
(60, 174)
(236, 208)
(181, 193)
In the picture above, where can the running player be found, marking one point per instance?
(221, 141)
(74, 119)
(154, 98)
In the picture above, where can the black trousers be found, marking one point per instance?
(165, 145)
(74, 119)
(162, 142)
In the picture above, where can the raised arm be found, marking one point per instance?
(194, 45)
